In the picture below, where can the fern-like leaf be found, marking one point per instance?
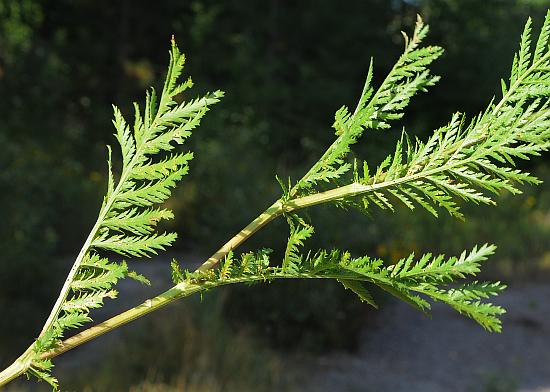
(414, 281)
(468, 161)
(375, 109)
(129, 216)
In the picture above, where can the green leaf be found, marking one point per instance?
(374, 110)
(136, 246)
(298, 234)
(129, 214)
(360, 290)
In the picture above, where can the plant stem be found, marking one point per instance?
(70, 277)
(13, 371)
(17, 368)
(87, 245)
(263, 219)
(182, 290)
(178, 291)
(22, 364)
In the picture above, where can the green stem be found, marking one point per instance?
(86, 247)
(519, 81)
(183, 290)
(70, 277)
(275, 210)
(17, 368)
(263, 219)
(22, 364)
(180, 290)
(105, 209)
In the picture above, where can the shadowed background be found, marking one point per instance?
(285, 67)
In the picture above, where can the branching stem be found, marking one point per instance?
(276, 209)
(183, 289)
(292, 201)
(178, 291)
(17, 368)
(263, 219)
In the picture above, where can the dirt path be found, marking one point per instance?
(408, 352)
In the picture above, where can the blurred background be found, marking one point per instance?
(285, 67)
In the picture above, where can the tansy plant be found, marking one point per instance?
(466, 160)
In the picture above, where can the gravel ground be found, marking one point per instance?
(409, 352)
